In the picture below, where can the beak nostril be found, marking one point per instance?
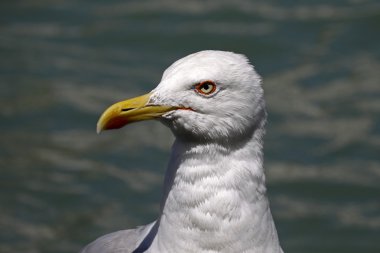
(126, 109)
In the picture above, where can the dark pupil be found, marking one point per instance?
(206, 86)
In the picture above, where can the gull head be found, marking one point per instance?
(205, 96)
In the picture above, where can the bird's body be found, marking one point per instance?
(214, 192)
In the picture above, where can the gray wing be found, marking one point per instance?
(123, 241)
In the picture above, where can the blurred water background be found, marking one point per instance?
(64, 61)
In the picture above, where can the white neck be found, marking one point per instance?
(215, 200)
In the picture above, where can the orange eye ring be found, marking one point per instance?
(206, 87)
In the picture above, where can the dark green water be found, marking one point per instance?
(63, 62)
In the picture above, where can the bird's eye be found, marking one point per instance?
(205, 87)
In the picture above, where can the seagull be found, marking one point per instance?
(214, 196)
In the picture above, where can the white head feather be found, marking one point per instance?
(232, 111)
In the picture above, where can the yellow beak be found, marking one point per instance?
(129, 111)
